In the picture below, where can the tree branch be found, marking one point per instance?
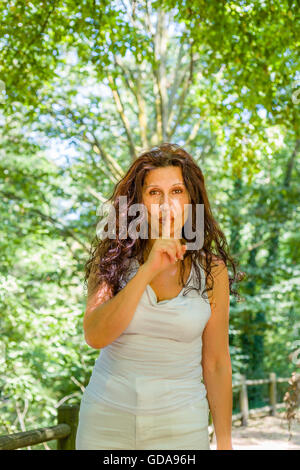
(176, 79)
(113, 171)
(108, 158)
(136, 91)
(160, 70)
(56, 222)
(122, 114)
(194, 131)
(290, 164)
(188, 80)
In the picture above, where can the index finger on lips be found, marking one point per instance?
(166, 228)
(177, 227)
(177, 220)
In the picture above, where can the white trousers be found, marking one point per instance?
(102, 427)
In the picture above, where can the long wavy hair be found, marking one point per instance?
(108, 258)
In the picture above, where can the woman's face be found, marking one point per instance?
(164, 192)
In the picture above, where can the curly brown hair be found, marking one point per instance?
(108, 258)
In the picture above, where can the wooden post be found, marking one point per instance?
(272, 393)
(244, 400)
(68, 414)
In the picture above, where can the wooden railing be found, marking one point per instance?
(270, 409)
(64, 432)
(67, 418)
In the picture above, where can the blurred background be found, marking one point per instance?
(85, 87)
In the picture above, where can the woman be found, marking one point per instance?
(164, 359)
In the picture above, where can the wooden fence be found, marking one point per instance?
(67, 418)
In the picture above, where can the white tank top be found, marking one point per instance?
(154, 366)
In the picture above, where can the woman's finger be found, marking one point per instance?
(166, 228)
(172, 254)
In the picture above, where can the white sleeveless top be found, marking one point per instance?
(154, 366)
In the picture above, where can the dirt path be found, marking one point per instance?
(265, 433)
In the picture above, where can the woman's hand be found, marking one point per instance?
(165, 250)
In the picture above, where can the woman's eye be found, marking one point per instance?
(156, 191)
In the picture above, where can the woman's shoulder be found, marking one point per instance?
(217, 264)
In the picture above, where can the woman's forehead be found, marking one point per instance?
(170, 174)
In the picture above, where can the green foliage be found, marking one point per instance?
(87, 86)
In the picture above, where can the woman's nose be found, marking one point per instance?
(164, 206)
(171, 206)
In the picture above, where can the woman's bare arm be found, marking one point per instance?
(216, 362)
(106, 317)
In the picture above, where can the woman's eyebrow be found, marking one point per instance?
(175, 184)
